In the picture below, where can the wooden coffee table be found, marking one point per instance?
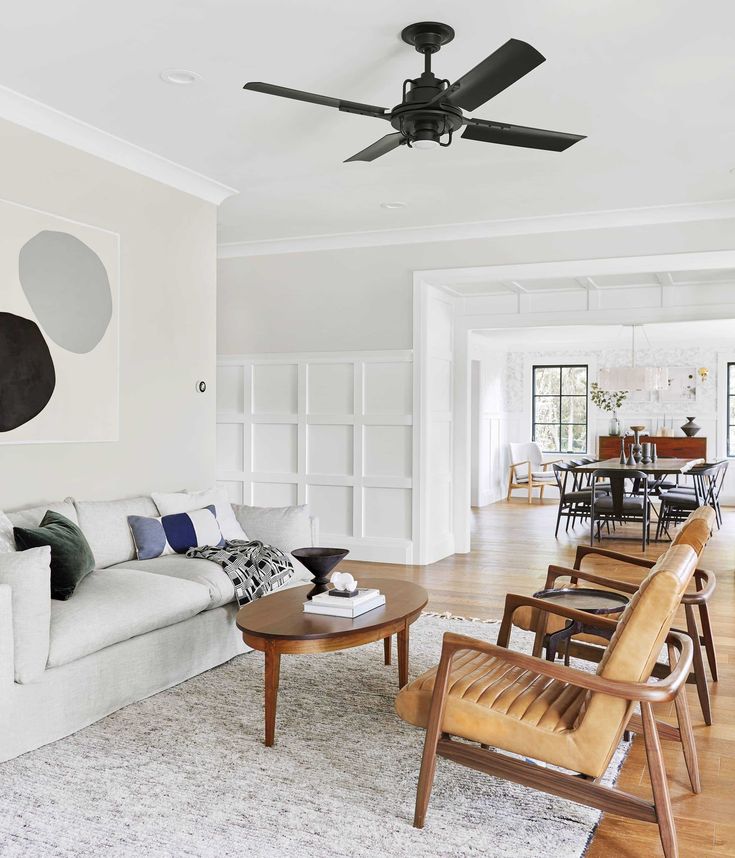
(277, 625)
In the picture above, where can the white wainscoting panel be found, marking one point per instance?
(334, 430)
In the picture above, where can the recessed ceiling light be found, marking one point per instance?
(180, 77)
(393, 205)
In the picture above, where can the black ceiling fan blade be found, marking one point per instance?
(313, 98)
(519, 135)
(380, 147)
(495, 73)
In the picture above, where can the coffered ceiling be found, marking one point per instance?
(650, 83)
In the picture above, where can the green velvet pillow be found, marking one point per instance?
(71, 556)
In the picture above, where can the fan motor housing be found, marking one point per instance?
(417, 122)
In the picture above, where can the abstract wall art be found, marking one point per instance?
(59, 283)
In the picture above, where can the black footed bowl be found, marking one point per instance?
(320, 562)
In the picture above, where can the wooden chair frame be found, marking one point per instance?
(582, 789)
(530, 485)
(705, 583)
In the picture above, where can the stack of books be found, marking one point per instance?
(345, 606)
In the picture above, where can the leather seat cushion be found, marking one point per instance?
(607, 503)
(493, 702)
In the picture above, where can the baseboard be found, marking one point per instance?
(372, 549)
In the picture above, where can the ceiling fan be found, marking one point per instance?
(432, 108)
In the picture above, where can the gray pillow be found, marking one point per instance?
(285, 527)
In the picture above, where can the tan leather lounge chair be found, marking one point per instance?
(696, 532)
(559, 715)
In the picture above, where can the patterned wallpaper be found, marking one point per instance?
(646, 407)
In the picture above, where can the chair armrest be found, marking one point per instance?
(545, 465)
(584, 550)
(577, 574)
(662, 691)
(705, 578)
(706, 585)
(7, 661)
(513, 601)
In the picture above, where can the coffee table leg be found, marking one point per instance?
(272, 675)
(403, 657)
(387, 648)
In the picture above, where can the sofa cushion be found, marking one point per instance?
(29, 575)
(7, 540)
(113, 605)
(105, 524)
(169, 503)
(285, 527)
(203, 572)
(31, 516)
(71, 556)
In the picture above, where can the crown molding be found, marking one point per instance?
(46, 120)
(676, 213)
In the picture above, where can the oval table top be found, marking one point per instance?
(585, 599)
(281, 615)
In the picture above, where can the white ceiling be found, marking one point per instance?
(573, 337)
(598, 281)
(650, 83)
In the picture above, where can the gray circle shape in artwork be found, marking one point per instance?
(67, 286)
(27, 374)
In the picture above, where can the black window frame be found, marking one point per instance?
(729, 399)
(560, 395)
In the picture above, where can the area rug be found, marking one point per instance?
(185, 773)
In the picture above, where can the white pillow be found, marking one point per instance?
(28, 573)
(285, 527)
(169, 503)
(7, 540)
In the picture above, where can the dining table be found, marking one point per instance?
(658, 468)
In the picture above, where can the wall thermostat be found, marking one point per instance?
(201, 386)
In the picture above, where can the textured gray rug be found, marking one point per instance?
(185, 773)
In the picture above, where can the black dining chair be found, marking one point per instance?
(574, 502)
(677, 503)
(620, 505)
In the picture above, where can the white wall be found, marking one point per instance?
(167, 326)
(332, 430)
(361, 298)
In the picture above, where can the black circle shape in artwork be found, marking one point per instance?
(27, 374)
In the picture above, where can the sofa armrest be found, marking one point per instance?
(7, 664)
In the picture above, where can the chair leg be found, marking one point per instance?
(541, 494)
(510, 486)
(688, 744)
(530, 491)
(433, 734)
(708, 640)
(659, 784)
(698, 665)
(558, 519)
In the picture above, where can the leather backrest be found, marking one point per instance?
(647, 619)
(695, 533)
(702, 513)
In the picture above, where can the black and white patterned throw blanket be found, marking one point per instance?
(254, 568)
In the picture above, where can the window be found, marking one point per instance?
(560, 408)
(731, 409)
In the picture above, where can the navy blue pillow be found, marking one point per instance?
(175, 534)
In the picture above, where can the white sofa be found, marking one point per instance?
(132, 627)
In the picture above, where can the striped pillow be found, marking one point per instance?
(174, 534)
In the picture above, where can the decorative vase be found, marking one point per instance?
(623, 457)
(320, 562)
(646, 458)
(614, 427)
(690, 428)
(636, 452)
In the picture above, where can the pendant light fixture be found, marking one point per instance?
(633, 377)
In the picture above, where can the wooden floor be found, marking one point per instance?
(512, 545)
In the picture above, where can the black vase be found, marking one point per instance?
(320, 562)
(690, 428)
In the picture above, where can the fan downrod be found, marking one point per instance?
(427, 36)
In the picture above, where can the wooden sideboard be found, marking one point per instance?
(666, 448)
